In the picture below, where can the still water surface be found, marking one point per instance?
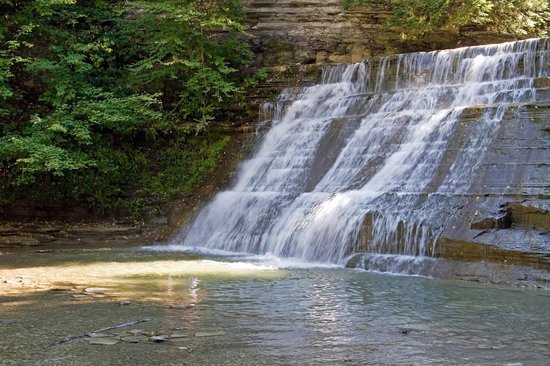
(238, 310)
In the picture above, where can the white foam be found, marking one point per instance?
(261, 261)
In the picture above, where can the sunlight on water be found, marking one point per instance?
(131, 279)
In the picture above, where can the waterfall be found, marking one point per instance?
(371, 158)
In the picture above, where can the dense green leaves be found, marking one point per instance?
(413, 18)
(93, 94)
(193, 53)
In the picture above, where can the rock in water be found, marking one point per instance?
(103, 341)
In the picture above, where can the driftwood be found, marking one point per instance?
(73, 337)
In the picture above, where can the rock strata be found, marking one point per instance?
(286, 32)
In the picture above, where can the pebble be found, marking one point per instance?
(96, 290)
(158, 339)
(99, 335)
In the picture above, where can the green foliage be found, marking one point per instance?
(414, 18)
(193, 53)
(92, 94)
(184, 169)
(521, 17)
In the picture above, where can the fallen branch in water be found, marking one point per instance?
(73, 337)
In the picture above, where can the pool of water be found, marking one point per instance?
(203, 309)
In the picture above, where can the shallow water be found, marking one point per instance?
(236, 310)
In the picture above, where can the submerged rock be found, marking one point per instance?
(133, 339)
(103, 341)
(177, 335)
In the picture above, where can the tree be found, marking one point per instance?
(193, 52)
(91, 95)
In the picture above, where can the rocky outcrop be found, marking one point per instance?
(286, 32)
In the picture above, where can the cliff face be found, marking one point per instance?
(287, 32)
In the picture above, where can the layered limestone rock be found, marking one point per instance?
(504, 218)
(286, 32)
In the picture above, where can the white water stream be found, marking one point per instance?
(366, 159)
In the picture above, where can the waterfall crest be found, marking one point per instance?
(369, 159)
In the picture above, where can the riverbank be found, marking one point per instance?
(68, 225)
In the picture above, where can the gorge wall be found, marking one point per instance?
(507, 219)
(287, 32)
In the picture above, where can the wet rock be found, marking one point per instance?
(542, 83)
(530, 215)
(504, 221)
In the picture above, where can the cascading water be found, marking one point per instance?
(371, 158)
